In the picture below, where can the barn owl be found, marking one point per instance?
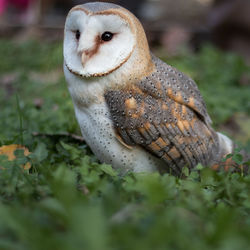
(135, 111)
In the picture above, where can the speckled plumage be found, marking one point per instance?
(165, 114)
(135, 111)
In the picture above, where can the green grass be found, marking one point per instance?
(67, 200)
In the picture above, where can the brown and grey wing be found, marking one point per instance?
(168, 81)
(164, 127)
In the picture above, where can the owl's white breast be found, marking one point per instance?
(97, 130)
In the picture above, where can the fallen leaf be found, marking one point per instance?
(9, 151)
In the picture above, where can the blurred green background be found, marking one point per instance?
(67, 199)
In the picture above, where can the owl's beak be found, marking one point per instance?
(84, 58)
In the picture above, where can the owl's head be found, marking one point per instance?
(101, 37)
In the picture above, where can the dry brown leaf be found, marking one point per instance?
(9, 150)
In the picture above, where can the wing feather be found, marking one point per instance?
(166, 115)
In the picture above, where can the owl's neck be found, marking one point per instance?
(138, 66)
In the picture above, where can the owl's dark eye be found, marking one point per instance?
(78, 34)
(107, 36)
